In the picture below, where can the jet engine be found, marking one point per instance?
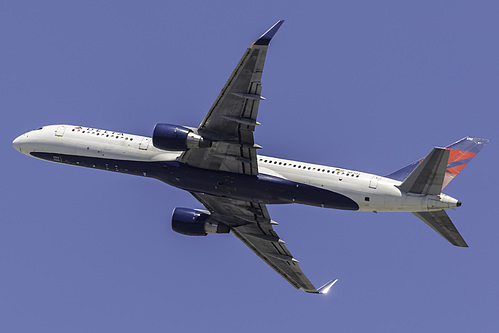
(193, 222)
(174, 137)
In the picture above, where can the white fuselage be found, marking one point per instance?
(371, 192)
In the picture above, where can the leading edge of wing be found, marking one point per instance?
(269, 34)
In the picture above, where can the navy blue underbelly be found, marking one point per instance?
(262, 188)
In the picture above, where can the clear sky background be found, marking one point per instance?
(366, 85)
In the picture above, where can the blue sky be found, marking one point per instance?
(365, 85)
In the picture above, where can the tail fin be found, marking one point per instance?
(460, 153)
(431, 174)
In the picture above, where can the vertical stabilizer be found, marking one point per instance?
(460, 154)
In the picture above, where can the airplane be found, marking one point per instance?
(217, 162)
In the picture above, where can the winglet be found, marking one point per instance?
(267, 36)
(325, 288)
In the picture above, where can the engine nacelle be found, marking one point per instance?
(193, 222)
(173, 137)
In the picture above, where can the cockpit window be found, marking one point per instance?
(39, 129)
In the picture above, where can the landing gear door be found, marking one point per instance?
(60, 130)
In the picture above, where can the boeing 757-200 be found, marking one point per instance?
(217, 162)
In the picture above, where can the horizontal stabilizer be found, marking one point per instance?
(428, 176)
(441, 223)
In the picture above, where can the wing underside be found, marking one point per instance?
(229, 126)
(251, 223)
(231, 120)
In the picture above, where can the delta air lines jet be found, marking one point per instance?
(217, 162)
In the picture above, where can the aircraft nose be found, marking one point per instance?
(17, 143)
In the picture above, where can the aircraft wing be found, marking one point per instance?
(251, 223)
(231, 120)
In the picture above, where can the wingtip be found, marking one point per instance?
(325, 288)
(269, 34)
